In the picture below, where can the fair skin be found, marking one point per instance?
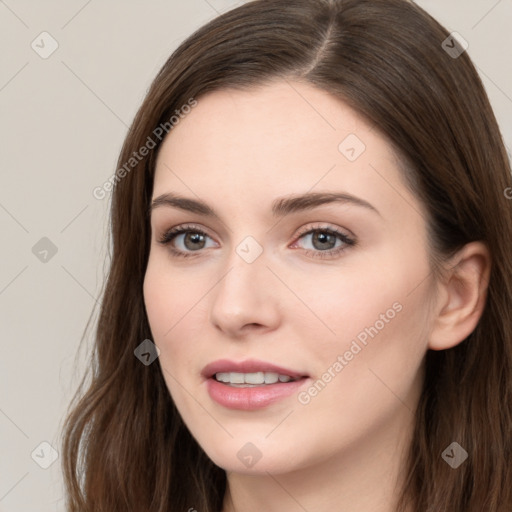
(238, 151)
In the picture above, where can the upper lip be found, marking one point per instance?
(247, 366)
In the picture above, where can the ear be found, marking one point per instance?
(461, 297)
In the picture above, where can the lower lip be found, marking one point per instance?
(248, 399)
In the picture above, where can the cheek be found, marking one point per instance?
(176, 314)
(377, 315)
(353, 302)
(381, 336)
(379, 375)
(167, 298)
(164, 308)
(158, 301)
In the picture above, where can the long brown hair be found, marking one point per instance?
(125, 446)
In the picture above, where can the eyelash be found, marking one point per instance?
(171, 234)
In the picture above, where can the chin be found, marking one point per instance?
(252, 458)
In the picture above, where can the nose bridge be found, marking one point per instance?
(245, 294)
(246, 266)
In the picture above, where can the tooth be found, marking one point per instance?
(236, 378)
(271, 377)
(254, 378)
(251, 379)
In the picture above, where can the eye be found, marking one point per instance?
(188, 238)
(326, 242)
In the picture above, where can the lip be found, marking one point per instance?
(250, 398)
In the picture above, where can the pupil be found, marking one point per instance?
(194, 238)
(323, 238)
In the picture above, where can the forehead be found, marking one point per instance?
(272, 121)
(273, 140)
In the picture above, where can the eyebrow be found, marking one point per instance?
(280, 207)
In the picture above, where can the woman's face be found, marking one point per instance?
(267, 284)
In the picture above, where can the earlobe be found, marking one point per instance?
(462, 297)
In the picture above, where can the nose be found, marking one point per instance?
(246, 298)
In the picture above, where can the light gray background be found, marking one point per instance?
(62, 123)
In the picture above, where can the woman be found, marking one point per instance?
(341, 338)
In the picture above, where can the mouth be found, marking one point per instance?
(251, 372)
(247, 380)
(251, 384)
